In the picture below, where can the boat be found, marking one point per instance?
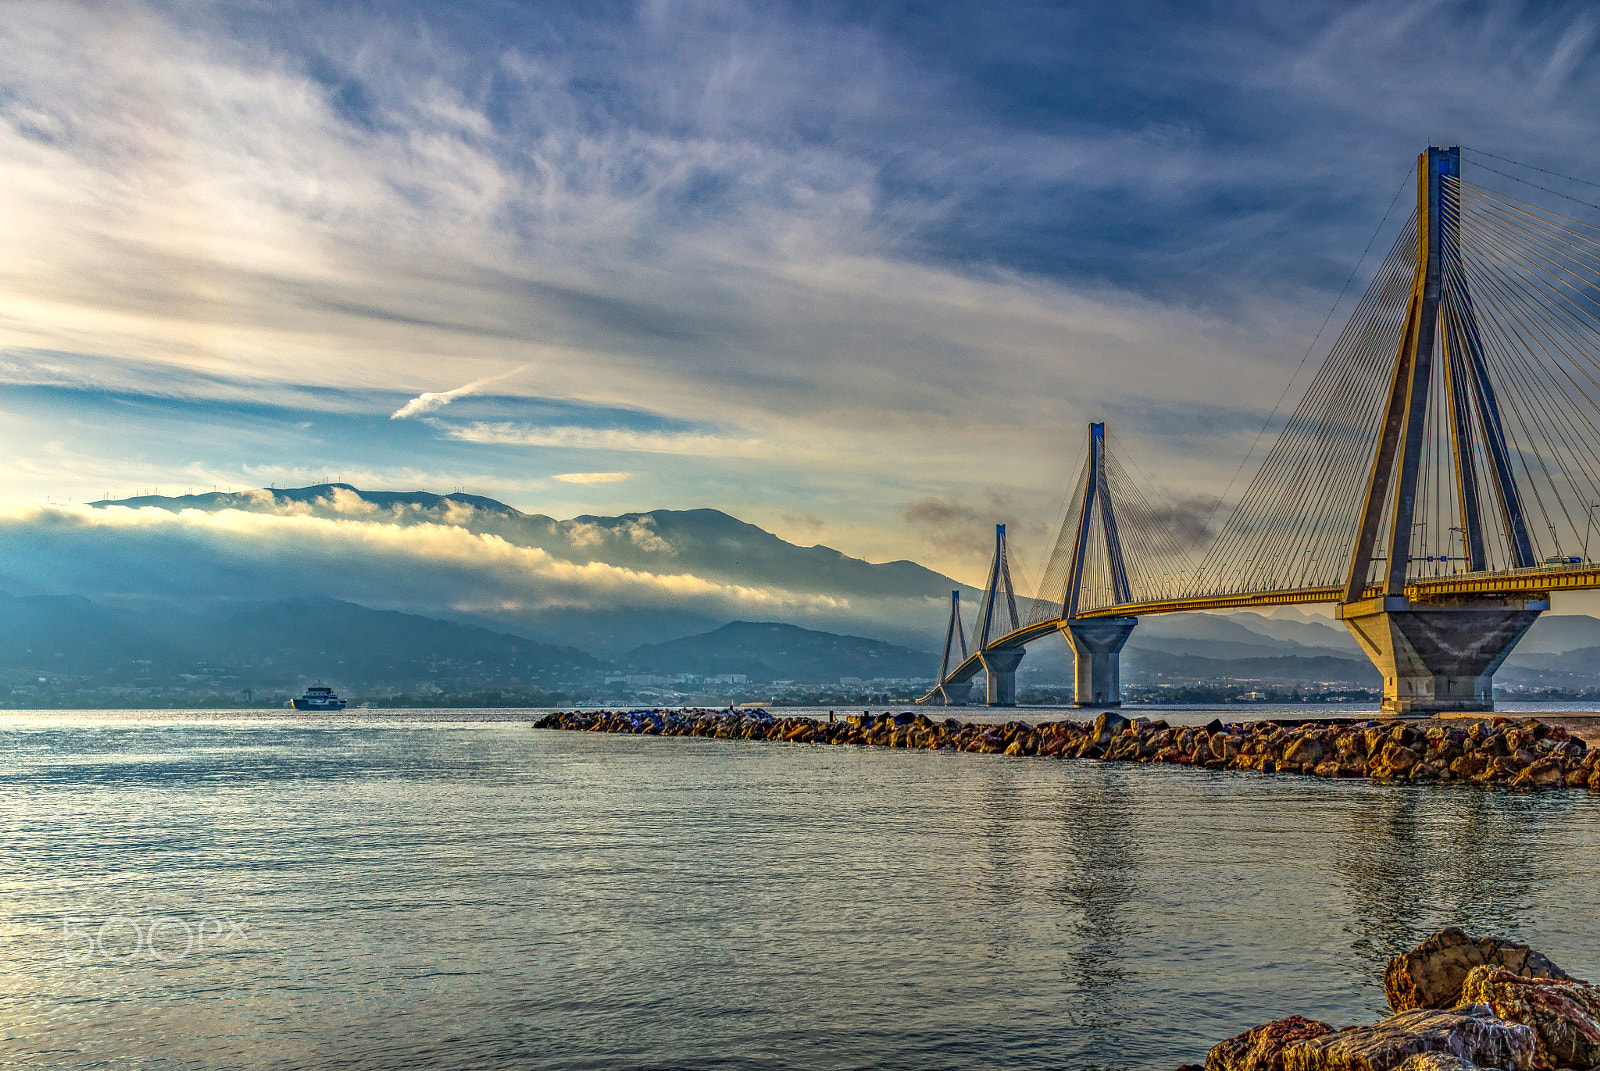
(318, 697)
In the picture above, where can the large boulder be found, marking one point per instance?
(1470, 1032)
(1564, 1015)
(1437, 1061)
(1430, 975)
(1261, 1048)
(1107, 725)
(1306, 750)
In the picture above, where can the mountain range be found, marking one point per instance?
(816, 586)
(768, 650)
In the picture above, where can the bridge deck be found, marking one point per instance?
(1535, 582)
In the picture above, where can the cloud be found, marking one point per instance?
(442, 563)
(847, 260)
(428, 401)
(959, 528)
(591, 477)
(802, 525)
(505, 433)
(1191, 520)
(192, 561)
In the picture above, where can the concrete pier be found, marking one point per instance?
(1439, 656)
(1097, 658)
(1000, 665)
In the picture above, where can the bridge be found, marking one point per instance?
(1436, 482)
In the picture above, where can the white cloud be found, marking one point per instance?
(443, 564)
(507, 433)
(591, 477)
(428, 401)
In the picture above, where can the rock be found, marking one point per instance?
(1470, 1032)
(1124, 747)
(1261, 1048)
(1398, 757)
(1106, 726)
(1501, 768)
(1438, 1061)
(1306, 750)
(1431, 975)
(1543, 773)
(1564, 1014)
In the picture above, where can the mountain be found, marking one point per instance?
(769, 650)
(706, 542)
(1299, 627)
(1555, 633)
(1147, 667)
(70, 634)
(67, 644)
(654, 575)
(297, 638)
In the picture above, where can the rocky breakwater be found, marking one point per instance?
(1459, 1003)
(1497, 751)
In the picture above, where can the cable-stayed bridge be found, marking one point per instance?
(1438, 480)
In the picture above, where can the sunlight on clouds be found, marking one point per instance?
(580, 438)
(361, 557)
(591, 477)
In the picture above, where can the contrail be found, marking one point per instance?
(428, 401)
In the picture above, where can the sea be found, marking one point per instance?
(456, 889)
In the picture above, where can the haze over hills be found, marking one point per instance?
(68, 649)
(67, 644)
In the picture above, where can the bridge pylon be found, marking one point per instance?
(1096, 641)
(997, 615)
(948, 692)
(1439, 655)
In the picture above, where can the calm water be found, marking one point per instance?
(457, 890)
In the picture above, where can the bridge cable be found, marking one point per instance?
(1306, 356)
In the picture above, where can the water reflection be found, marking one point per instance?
(445, 894)
(1101, 864)
(1415, 859)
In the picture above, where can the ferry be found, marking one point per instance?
(318, 697)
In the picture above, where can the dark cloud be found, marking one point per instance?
(801, 525)
(959, 528)
(1191, 520)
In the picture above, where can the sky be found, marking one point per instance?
(857, 273)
